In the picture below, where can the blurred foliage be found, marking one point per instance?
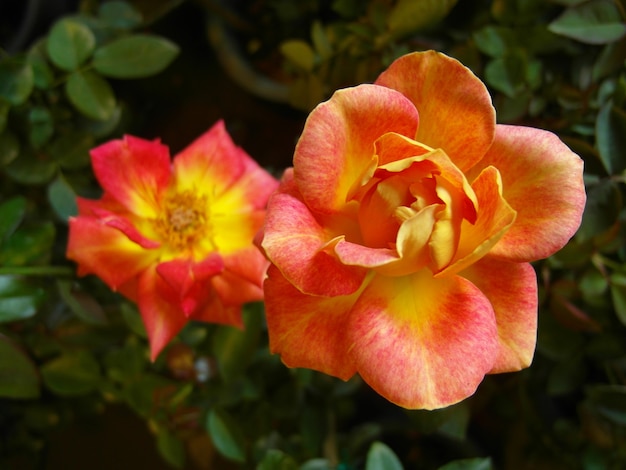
(216, 398)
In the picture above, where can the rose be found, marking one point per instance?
(400, 250)
(177, 238)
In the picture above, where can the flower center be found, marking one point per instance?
(184, 220)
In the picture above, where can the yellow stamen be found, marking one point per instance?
(183, 220)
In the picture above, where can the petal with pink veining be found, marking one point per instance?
(422, 342)
(512, 290)
(306, 330)
(134, 172)
(455, 107)
(542, 179)
(335, 154)
(295, 242)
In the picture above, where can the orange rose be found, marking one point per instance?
(177, 238)
(400, 242)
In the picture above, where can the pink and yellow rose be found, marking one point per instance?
(401, 239)
(176, 237)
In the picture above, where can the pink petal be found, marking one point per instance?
(335, 153)
(422, 342)
(296, 243)
(542, 181)
(306, 330)
(512, 290)
(134, 172)
(454, 105)
(160, 310)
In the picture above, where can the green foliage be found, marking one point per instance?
(69, 347)
(18, 375)
(381, 457)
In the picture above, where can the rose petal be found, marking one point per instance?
(124, 225)
(214, 311)
(542, 181)
(334, 155)
(160, 310)
(212, 163)
(454, 105)
(308, 331)
(296, 243)
(512, 290)
(234, 290)
(134, 172)
(232, 231)
(248, 264)
(495, 217)
(422, 342)
(106, 251)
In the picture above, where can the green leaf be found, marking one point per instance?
(42, 72)
(226, 435)
(120, 15)
(321, 42)
(12, 213)
(18, 375)
(134, 56)
(4, 114)
(610, 60)
(611, 138)
(131, 316)
(381, 457)
(142, 394)
(71, 149)
(298, 52)
(275, 459)
(618, 295)
(494, 41)
(468, 464)
(171, 448)
(62, 198)
(70, 43)
(28, 246)
(41, 126)
(507, 73)
(126, 363)
(609, 401)
(9, 148)
(31, 168)
(593, 22)
(16, 81)
(408, 16)
(90, 94)
(82, 304)
(18, 299)
(233, 348)
(317, 464)
(604, 203)
(72, 374)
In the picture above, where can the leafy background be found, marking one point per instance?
(76, 387)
